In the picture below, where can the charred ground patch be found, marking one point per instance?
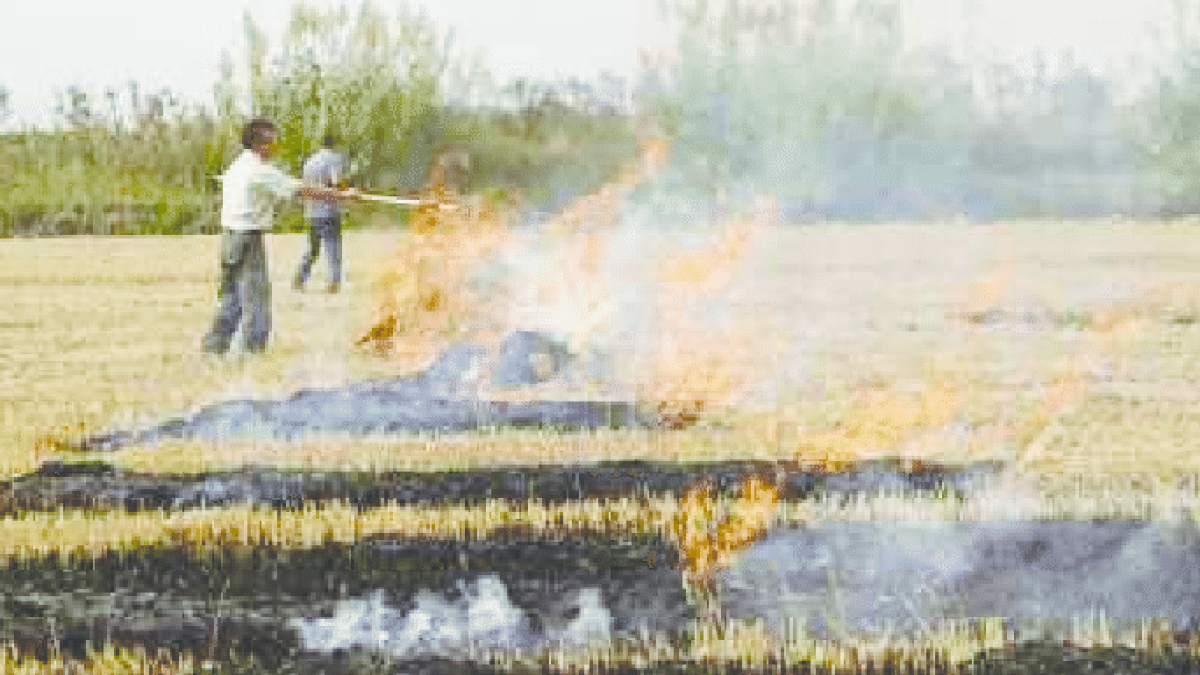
(101, 486)
(448, 600)
(450, 396)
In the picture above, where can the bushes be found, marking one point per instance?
(166, 215)
(548, 155)
(94, 182)
(91, 182)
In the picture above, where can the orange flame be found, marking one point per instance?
(422, 297)
(881, 419)
(708, 531)
(697, 368)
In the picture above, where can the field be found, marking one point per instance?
(1064, 351)
(1061, 347)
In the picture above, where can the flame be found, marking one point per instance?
(697, 368)
(708, 531)
(710, 269)
(58, 439)
(689, 380)
(423, 299)
(880, 419)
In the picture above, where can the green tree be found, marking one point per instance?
(1171, 145)
(5, 112)
(1166, 120)
(764, 85)
(370, 79)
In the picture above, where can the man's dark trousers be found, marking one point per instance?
(244, 293)
(326, 230)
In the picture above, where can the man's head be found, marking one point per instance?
(259, 135)
(329, 141)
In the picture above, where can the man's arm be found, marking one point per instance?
(284, 186)
(325, 194)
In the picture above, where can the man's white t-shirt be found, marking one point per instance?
(250, 188)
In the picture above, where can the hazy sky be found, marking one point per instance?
(1098, 31)
(46, 45)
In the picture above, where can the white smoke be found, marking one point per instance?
(595, 287)
(483, 621)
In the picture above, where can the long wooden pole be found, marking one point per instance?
(401, 201)
(385, 199)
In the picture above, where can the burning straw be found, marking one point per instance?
(697, 369)
(422, 296)
(565, 285)
(709, 531)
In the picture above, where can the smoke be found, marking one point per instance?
(638, 290)
(635, 281)
(481, 621)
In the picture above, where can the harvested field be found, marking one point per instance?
(1061, 352)
(1068, 347)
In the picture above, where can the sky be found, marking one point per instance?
(48, 45)
(1101, 33)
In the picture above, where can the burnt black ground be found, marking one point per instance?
(253, 602)
(102, 486)
(445, 398)
(322, 610)
(261, 610)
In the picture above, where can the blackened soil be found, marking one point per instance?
(250, 603)
(445, 398)
(248, 609)
(1053, 657)
(103, 487)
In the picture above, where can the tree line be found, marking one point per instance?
(389, 84)
(831, 106)
(827, 104)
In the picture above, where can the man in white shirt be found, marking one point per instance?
(250, 188)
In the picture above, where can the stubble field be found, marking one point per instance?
(1058, 348)
(1066, 352)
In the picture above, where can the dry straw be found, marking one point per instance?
(110, 660)
(422, 295)
(85, 533)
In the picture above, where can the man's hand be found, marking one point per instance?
(317, 193)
